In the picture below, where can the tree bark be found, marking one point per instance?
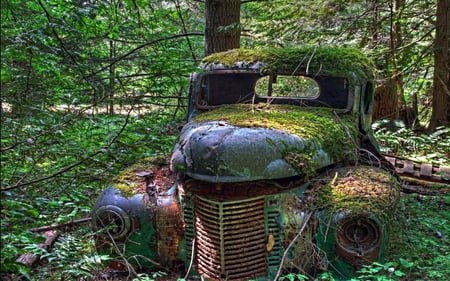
(222, 30)
(388, 95)
(385, 101)
(440, 115)
(390, 100)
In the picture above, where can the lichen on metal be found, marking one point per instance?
(312, 60)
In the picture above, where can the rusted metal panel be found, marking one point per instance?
(426, 172)
(230, 238)
(170, 229)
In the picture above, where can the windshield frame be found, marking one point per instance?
(209, 90)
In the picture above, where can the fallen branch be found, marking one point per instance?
(60, 225)
(31, 259)
(305, 223)
(423, 190)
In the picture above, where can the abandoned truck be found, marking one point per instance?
(275, 171)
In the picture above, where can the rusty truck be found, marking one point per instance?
(276, 170)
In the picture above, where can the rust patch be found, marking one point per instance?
(151, 175)
(169, 227)
(162, 179)
(239, 190)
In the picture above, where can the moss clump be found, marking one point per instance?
(359, 189)
(130, 183)
(313, 60)
(321, 126)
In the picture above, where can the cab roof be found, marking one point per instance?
(310, 60)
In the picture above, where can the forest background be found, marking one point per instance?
(90, 87)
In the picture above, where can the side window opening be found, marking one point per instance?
(225, 88)
(287, 86)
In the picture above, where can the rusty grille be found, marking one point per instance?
(230, 238)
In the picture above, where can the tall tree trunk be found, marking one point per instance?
(222, 31)
(440, 115)
(112, 78)
(389, 97)
(374, 24)
(397, 42)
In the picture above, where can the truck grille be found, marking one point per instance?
(230, 238)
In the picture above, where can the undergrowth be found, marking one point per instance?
(422, 237)
(396, 139)
(67, 161)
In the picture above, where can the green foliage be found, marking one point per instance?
(73, 258)
(57, 53)
(396, 139)
(150, 277)
(293, 276)
(44, 146)
(421, 238)
(382, 272)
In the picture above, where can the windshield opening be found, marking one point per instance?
(287, 86)
(250, 87)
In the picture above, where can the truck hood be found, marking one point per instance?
(246, 144)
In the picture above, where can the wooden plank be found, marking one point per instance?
(408, 167)
(445, 173)
(426, 170)
(390, 160)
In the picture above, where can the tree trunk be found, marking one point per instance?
(388, 95)
(390, 100)
(112, 78)
(385, 101)
(440, 115)
(397, 43)
(222, 31)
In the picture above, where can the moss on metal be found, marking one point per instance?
(359, 189)
(313, 60)
(130, 183)
(320, 125)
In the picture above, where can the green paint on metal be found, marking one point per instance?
(140, 246)
(353, 192)
(312, 60)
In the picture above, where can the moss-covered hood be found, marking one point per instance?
(252, 142)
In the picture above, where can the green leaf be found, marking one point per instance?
(399, 273)
(405, 263)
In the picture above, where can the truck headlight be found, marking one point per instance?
(358, 238)
(114, 220)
